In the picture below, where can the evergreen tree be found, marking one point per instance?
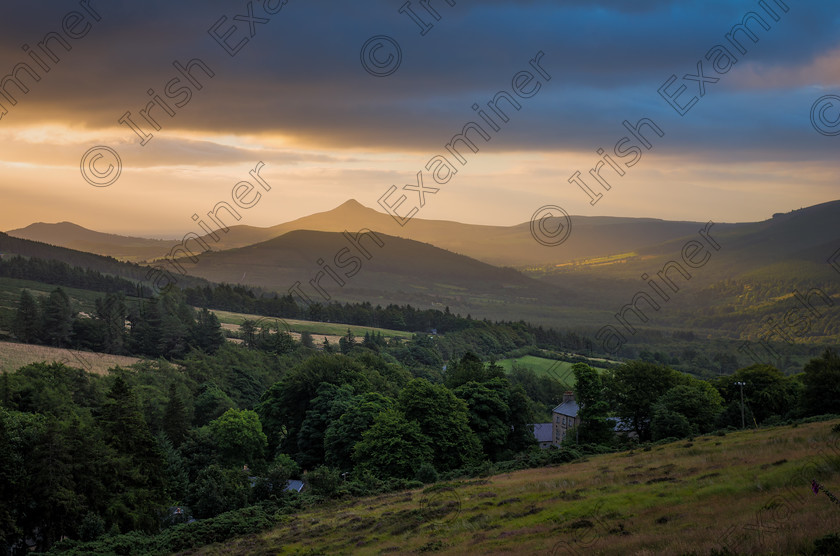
(591, 397)
(175, 423)
(135, 470)
(57, 319)
(248, 329)
(27, 324)
(306, 340)
(207, 332)
(346, 343)
(57, 505)
(111, 311)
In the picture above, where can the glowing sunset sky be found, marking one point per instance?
(288, 89)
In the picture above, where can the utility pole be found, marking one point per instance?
(743, 423)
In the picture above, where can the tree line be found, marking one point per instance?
(165, 326)
(656, 402)
(140, 451)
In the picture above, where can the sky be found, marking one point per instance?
(347, 100)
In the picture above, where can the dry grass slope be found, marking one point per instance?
(14, 356)
(746, 491)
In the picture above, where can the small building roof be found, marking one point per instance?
(622, 425)
(295, 485)
(568, 408)
(542, 432)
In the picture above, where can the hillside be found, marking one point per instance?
(498, 245)
(752, 277)
(749, 492)
(399, 269)
(105, 264)
(73, 236)
(14, 356)
(804, 236)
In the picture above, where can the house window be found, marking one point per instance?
(564, 420)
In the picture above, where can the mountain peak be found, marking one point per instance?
(351, 204)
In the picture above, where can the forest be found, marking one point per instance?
(198, 445)
(198, 442)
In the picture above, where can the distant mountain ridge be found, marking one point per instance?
(73, 236)
(497, 245)
(809, 234)
(751, 278)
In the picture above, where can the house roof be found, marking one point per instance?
(294, 485)
(569, 409)
(622, 425)
(542, 432)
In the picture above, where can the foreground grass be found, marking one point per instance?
(14, 356)
(748, 492)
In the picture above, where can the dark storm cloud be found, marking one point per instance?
(300, 74)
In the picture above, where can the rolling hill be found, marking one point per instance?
(746, 492)
(400, 269)
(751, 278)
(73, 236)
(107, 265)
(497, 245)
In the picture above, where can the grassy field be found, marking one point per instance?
(321, 328)
(559, 370)
(748, 492)
(14, 356)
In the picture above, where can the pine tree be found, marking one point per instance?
(248, 329)
(112, 312)
(306, 339)
(57, 319)
(135, 470)
(207, 332)
(175, 423)
(27, 323)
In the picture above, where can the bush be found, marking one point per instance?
(92, 527)
(246, 521)
(324, 481)
(427, 473)
(666, 424)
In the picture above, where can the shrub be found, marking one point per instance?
(427, 473)
(324, 481)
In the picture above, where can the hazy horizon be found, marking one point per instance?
(328, 131)
(178, 235)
